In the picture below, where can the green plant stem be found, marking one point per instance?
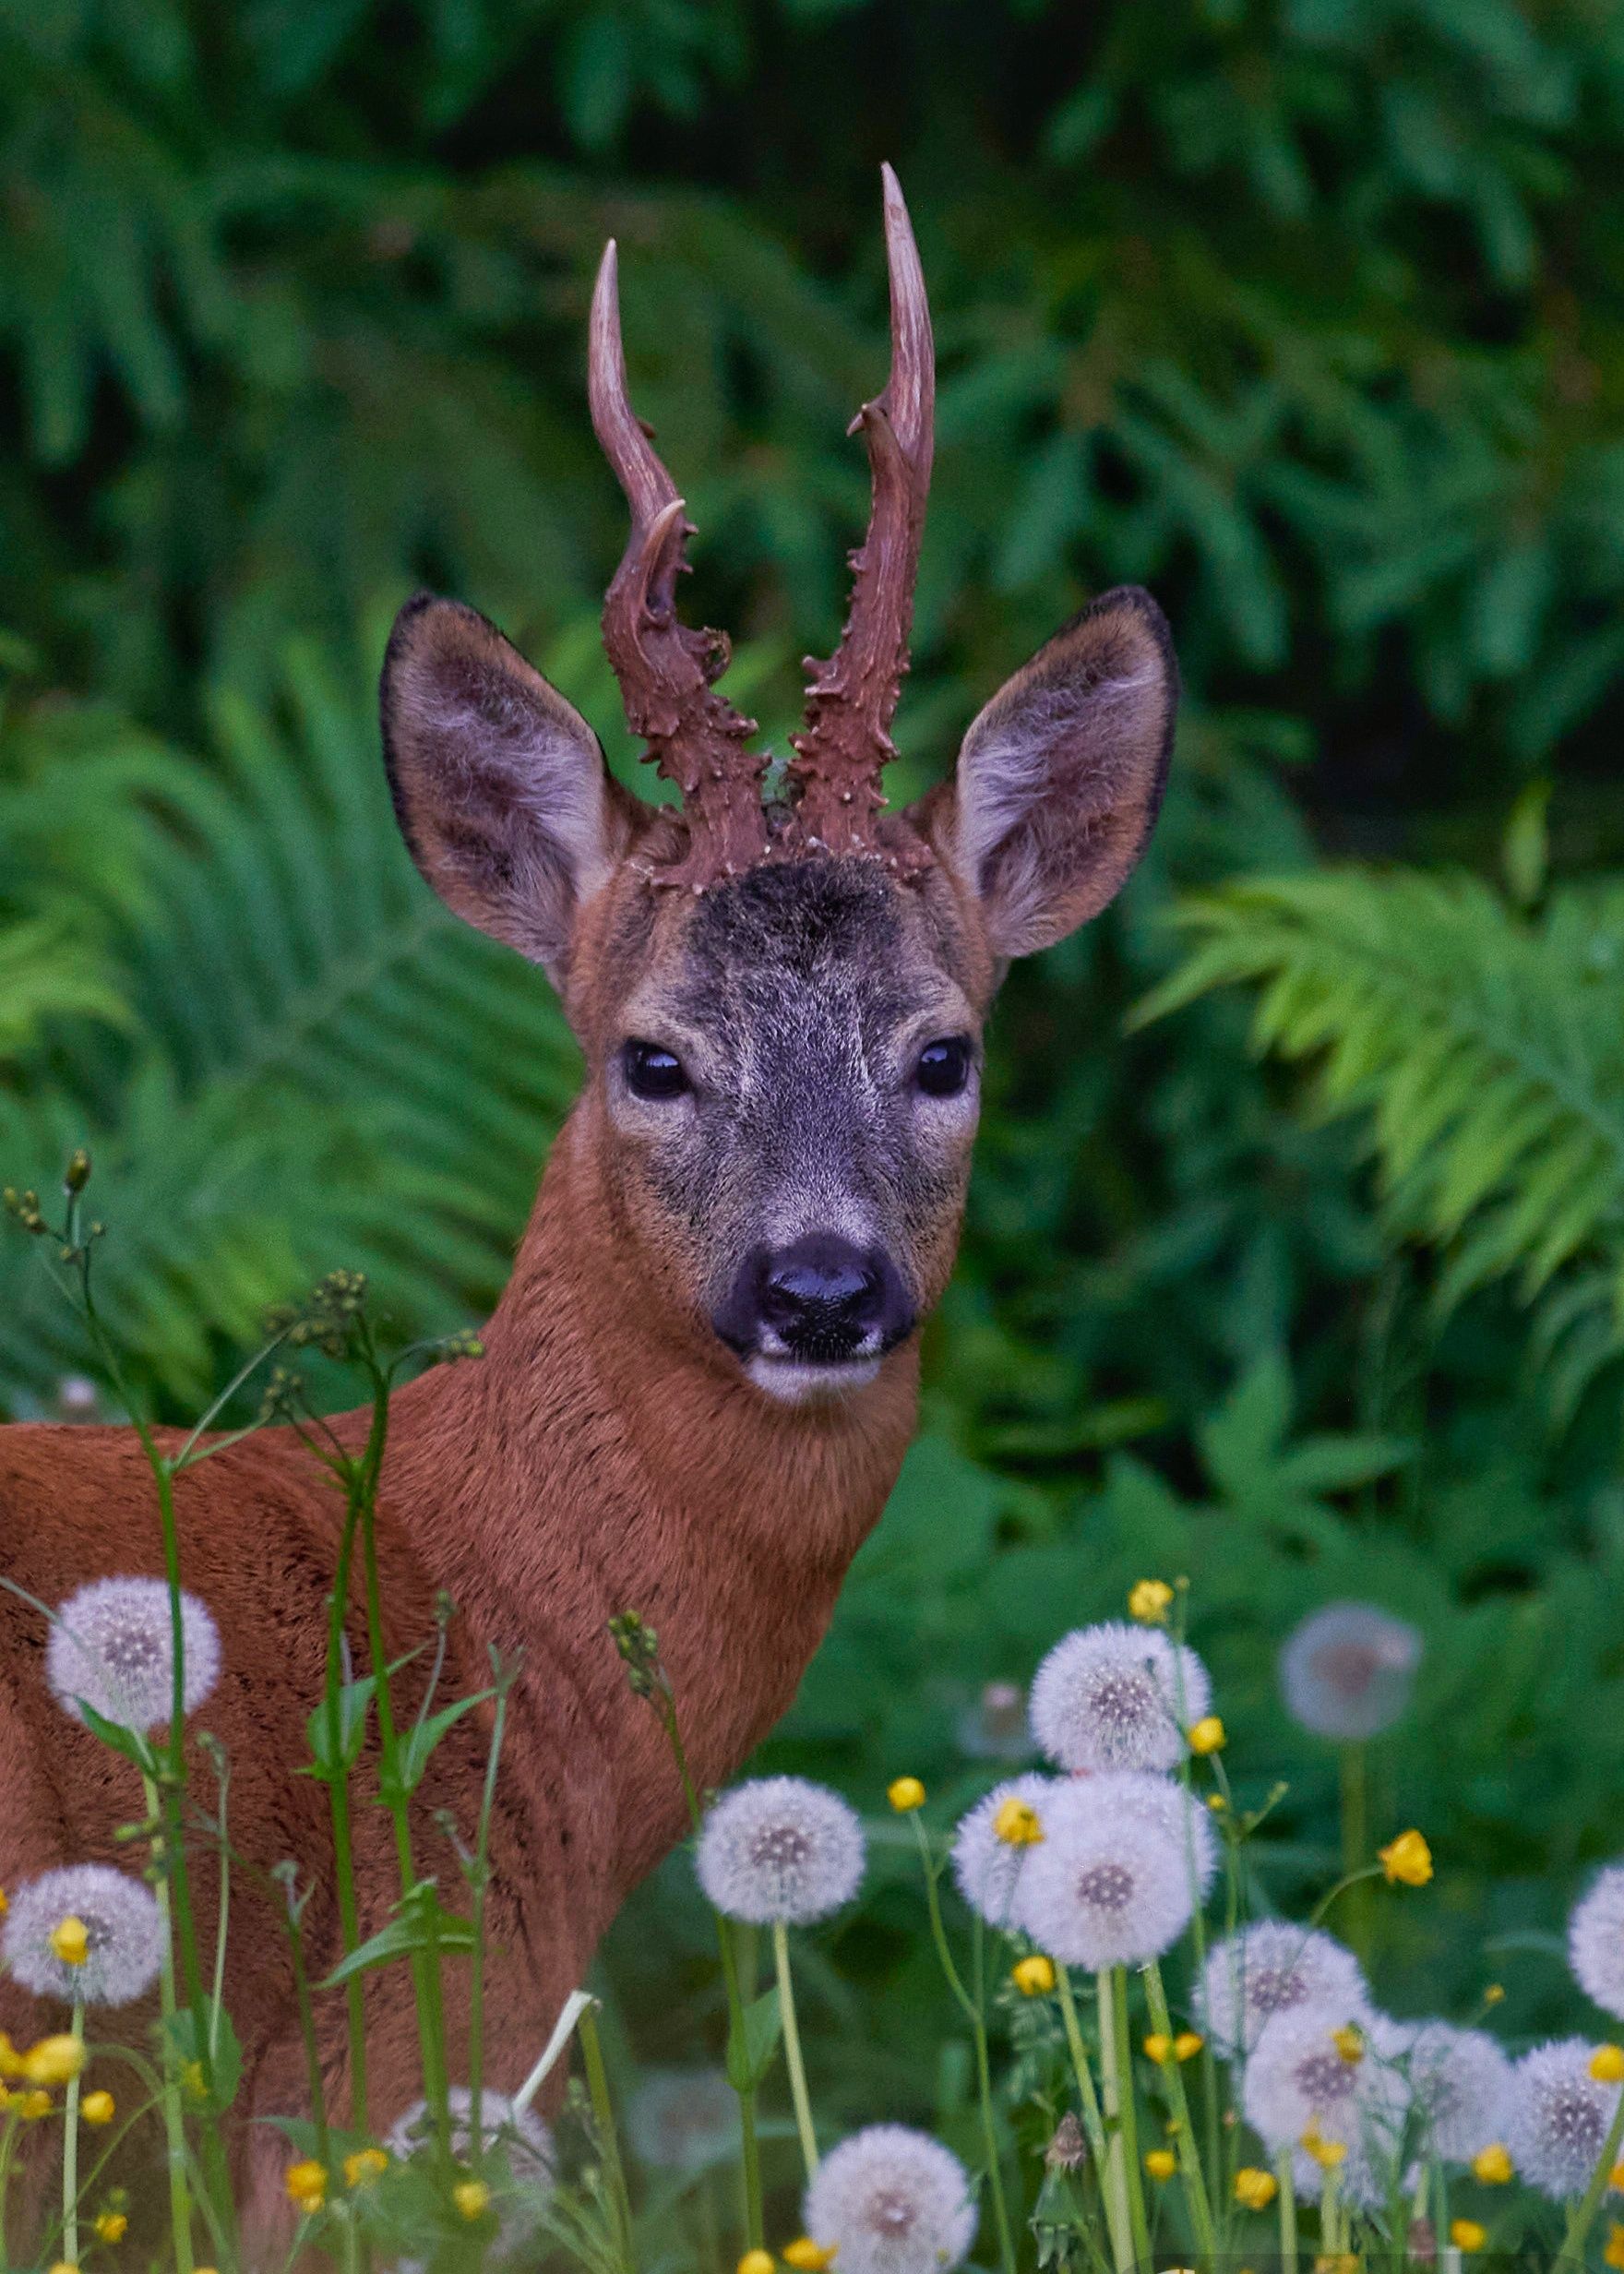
(972, 2009)
(174, 2128)
(339, 1809)
(1117, 2071)
(481, 1887)
(608, 2138)
(1190, 2157)
(1288, 2211)
(1093, 2125)
(7, 2150)
(307, 2034)
(1356, 1844)
(791, 2047)
(1582, 2218)
(70, 2147)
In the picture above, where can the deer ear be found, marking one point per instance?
(1061, 776)
(499, 785)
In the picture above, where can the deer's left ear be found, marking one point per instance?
(1060, 778)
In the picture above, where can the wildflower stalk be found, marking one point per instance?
(337, 1789)
(1116, 2075)
(293, 1927)
(1190, 2157)
(7, 2149)
(791, 2047)
(972, 2009)
(608, 2138)
(1582, 2218)
(1355, 1842)
(1286, 2176)
(70, 2147)
(1093, 2123)
(1332, 2219)
(174, 2128)
(480, 1877)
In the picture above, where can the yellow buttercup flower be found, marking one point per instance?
(112, 2227)
(1161, 2163)
(97, 2107)
(1493, 2164)
(1208, 1735)
(1217, 1802)
(1186, 2044)
(1494, 1994)
(54, 2061)
(1326, 2153)
(31, 2106)
(1614, 2253)
(1466, 2234)
(1034, 1976)
(1158, 2047)
(1407, 1860)
(1255, 2190)
(1606, 2064)
(1018, 1824)
(364, 2165)
(1349, 2042)
(807, 2257)
(306, 2184)
(65, 2265)
(70, 1941)
(472, 2197)
(756, 2262)
(1148, 1600)
(905, 1794)
(10, 2059)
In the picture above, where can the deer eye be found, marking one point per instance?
(652, 1071)
(944, 1067)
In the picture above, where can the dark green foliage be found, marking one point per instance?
(1307, 315)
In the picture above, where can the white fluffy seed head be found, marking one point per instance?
(891, 2201)
(1298, 2080)
(1275, 1967)
(113, 1644)
(518, 2133)
(124, 1931)
(1347, 1671)
(779, 1848)
(1596, 1941)
(1559, 2117)
(1118, 1696)
(988, 1869)
(1461, 2087)
(683, 2120)
(1105, 1886)
(1163, 1800)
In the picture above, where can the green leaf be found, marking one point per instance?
(750, 2054)
(421, 1922)
(417, 1746)
(355, 1701)
(135, 1744)
(182, 2037)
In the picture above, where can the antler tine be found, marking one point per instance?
(665, 670)
(852, 698)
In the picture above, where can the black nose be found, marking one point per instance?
(821, 1301)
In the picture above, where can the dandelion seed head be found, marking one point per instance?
(1460, 2084)
(891, 2200)
(124, 1935)
(683, 2120)
(1298, 2080)
(994, 1728)
(1347, 1670)
(779, 1849)
(1596, 1941)
(1273, 1968)
(1118, 1696)
(1165, 1801)
(1560, 2116)
(518, 2135)
(1107, 1886)
(113, 1644)
(988, 1869)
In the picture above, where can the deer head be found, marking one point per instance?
(780, 1006)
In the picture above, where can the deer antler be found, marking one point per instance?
(694, 736)
(851, 697)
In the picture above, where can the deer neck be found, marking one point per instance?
(601, 1458)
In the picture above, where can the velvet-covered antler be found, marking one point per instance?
(694, 736)
(851, 697)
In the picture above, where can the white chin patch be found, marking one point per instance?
(806, 1386)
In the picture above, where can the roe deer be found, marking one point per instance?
(698, 1386)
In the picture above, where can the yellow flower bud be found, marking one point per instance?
(1492, 2164)
(1407, 1860)
(1606, 2064)
(1161, 2163)
(1033, 1977)
(10, 2059)
(807, 2257)
(756, 2262)
(1255, 2190)
(1186, 2044)
(112, 2227)
(1466, 2234)
(69, 1940)
(905, 1794)
(1216, 1802)
(1158, 2047)
(1326, 2153)
(1148, 1600)
(5, 1906)
(1614, 2253)
(1208, 1735)
(1494, 1994)
(31, 2106)
(1018, 1824)
(54, 2061)
(306, 2184)
(97, 2107)
(472, 2198)
(65, 2265)
(1349, 2042)
(364, 2165)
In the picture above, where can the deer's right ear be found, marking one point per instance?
(499, 785)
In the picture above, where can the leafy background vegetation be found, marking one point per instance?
(1308, 316)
